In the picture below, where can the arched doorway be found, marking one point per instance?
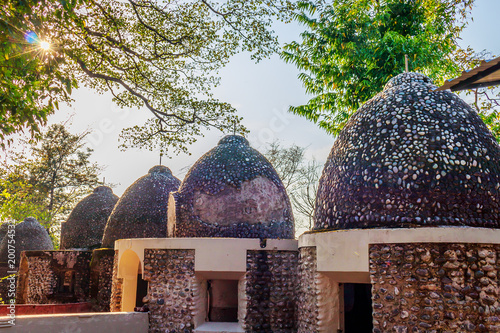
(129, 269)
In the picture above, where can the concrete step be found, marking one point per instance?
(215, 327)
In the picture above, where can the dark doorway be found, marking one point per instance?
(223, 300)
(66, 282)
(358, 308)
(65, 288)
(142, 291)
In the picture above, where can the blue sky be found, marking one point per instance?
(261, 92)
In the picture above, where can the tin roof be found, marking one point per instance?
(485, 75)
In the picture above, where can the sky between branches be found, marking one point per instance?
(261, 92)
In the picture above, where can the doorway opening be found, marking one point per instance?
(66, 282)
(223, 300)
(142, 291)
(142, 288)
(357, 307)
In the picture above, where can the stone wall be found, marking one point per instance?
(171, 278)
(5, 283)
(31, 290)
(438, 287)
(4, 290)
(54, 277)
(177, 297)
(116, 287)
(271, 282)
(317, 297)
(101, 270)
(307, 309)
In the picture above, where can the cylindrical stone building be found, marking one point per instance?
(85, 225)
(406, 232)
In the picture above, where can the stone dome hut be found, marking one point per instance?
(141, 212)
(230, 250)
(406, 223)
(231, 191)
(85, 225)
(29, 236)
(410, 157)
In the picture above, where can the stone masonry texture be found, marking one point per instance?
(170, 274)
(116, 287)
(271, 288)
(54, 277)
(101, 270)
(307, 309)
(438, 287)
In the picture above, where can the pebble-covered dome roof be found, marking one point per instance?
(141, 211)
(85, 225)
(410, 157)
(231, 191)
(29, 236)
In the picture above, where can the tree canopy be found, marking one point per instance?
(162, 55)
(48, 180)
(351, 48)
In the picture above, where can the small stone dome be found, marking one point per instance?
(85, 225)
(231, 191)
(29, 236)
(141, 212)
(411, 156)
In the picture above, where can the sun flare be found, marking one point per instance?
(44, 45)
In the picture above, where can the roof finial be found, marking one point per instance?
(406, 63)
(161, 154)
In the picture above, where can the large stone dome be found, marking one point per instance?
(29, 236)
(141, 211)
(85, 225)
(231, 191)
(410, 157)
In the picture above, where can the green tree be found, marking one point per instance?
(351, 48)
(18, 198)
(47, 181)
(161, 55)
